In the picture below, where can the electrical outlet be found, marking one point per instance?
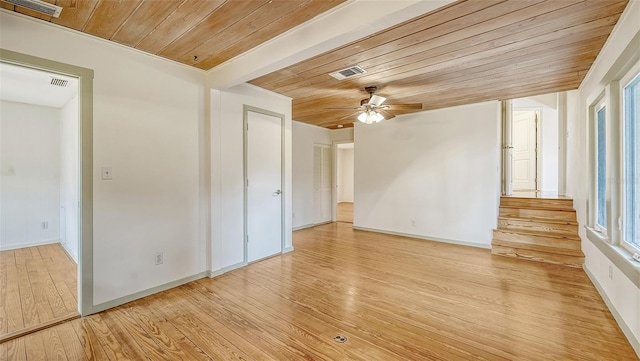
(610, 272)
(45, 225)
(107, 173)
(159, 258)
(413, 222)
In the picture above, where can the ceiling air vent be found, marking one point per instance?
(39, 6)
(348, 72)
(59, 82)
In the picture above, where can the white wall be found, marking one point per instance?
(343, 135)
(29, 174)
(345, 174)
(620, 50)
(438, 168)
(147, 115)
(69, 142)
(227, 174)
(548, 128)
(304, 137)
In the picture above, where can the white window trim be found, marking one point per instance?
(600, 102)
(629, 77)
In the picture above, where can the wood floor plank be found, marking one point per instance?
(72, 346)
(174, 343)
(394, 298)
(3, 292)
(424, 341)
(13, 309)
(89, 339)
(54, 349)
(112, 348)
(345, 212)
(216, 339)
(134, 332)
(27, 300)
(16, 350)
(34, 288)
(35, 347)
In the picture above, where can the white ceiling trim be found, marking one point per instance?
(337, 27)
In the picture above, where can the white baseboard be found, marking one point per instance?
(635, 343)
(73, 255)
(224, 270)
(148, 292)
(303, 227)
(29, 244)
(426, 238)
(287, 250)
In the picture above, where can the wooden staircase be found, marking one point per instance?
(538, 229)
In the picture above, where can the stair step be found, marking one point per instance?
(533, 213)
(538, 203)
(560, 227)
(543, 239)
(541, 246)
(538, 256)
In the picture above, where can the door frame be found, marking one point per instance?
(245, 140)
(538, 121)
(85, 165)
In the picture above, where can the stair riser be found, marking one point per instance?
(571, 261)
(538, 214)
(533, 247)
(558, 204)
(568, 229)
(540, 241)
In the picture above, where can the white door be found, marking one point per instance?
(264, 185)
(322, 183)
(524, 139)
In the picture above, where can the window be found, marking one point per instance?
(631, 163)
(601, 167)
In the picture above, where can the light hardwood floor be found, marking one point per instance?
(38, 286)
(394, 298)
(345, 212)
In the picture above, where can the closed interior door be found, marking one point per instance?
(322, 183)
(264, 185)
(524, 166)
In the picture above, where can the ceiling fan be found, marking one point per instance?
(372, 110)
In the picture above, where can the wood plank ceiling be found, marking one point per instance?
(470, 51)
(201, 33)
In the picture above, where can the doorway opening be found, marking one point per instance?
(532, 145)
(344, 182)
(39, 198)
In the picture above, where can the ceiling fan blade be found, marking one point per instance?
(376, 100)
(386, 114)
(352, 115)
(403, 106)
(351, 108)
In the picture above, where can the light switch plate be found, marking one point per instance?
(107, 173)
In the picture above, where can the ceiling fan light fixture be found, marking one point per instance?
(370, 117)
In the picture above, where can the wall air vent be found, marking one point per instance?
(348, 72)
(39, 6)
(59, 82)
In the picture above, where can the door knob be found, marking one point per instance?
(277, 192)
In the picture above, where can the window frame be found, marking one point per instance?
(601, 102)
(631, 76)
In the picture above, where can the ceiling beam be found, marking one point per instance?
(346, 23)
